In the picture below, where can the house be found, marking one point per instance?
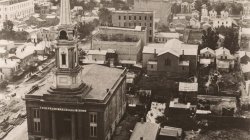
(95, 57)
(25, 54)
(180, 110)
(145, 131)
(212, 14)
(187, 92)
(207, 56)
(173, 58)
(195, 23)
(43, 50)
(224, 59)
(243, 57)
(224, 20)
(162, 37)
(170, 133)
(246, 70)
(3, 52)
(179, 23)
(8, 67)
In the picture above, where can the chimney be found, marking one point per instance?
(154, 52)
(142, 120)
(5, 61)
(107, 90)
(183, 52)
(99, 49)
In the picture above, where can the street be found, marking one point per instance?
(18, 133)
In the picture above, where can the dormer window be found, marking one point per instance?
(63, 35)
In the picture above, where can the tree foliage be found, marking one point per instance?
(231, 38)
(85, 29)
(104, 16)
(209, 38)
(176, 8)
(9, 34)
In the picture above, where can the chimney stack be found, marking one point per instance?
(183, 52)
(142, 120)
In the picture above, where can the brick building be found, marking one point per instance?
(131, 19)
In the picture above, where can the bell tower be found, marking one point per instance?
(67, 75)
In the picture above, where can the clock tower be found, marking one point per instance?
(67, 75)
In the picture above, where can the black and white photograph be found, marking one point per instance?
(124, 69)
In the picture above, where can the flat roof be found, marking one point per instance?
(146, 130)
(100, 78)
(132, 12)
(188, 87)
(171, 131)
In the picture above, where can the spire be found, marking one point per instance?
(65, 18)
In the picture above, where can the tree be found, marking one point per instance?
(3, 85)
(104, 16)
(210, 38)
(176, 8)
(219, 7)
(237, 8)
(197, 5)
(8, 26)
(231, 39)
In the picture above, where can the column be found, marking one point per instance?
(53, 125)
(73, 126)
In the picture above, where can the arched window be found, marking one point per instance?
(63, 35)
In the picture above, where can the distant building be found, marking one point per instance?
(204, 14)
(14, 9)
(75, 103)
(180, 110)
(188, 92)
(161, 8)
(95, 57)
(25, 55)
(126, 43)
(8, 67)
(131, 19)
(170, 133)
(224, 59)
(145, 131)
(187, 6)
(162, 37)
(224, 20)
(173, 58)
(207, 56)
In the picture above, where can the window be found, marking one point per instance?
(36, 113)
(125, 24)
(221, 57)
(150, 32)
(134, 24)
(119, 17)
(129, 24)
(145, 24)
(63, 59)
(225, 57)
(145, 17)
(93, 124)
(36, 120)
(139, 17)
(139, 24)
(124, 17)
(183, 68)
(134, 17)
(151, 18)
(150, 24)
(129, 17)
(168, 62)
(152, 66)
(37, 126)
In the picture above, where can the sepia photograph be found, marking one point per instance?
(124, 69)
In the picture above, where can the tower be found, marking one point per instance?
(67, 75)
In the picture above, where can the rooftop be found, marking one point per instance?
(100, 78)
(175, 104)
(133, 12)
(174, 46)
(188, 87)
(8, 63)
(167, 35)
(207, 50)
(171, 131)
(146, 130)
(137, 28)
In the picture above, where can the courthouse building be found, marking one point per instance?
(77, 103)
(16, 9)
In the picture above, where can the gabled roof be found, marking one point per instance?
(169, 51)
(204, 50)
(225, 51)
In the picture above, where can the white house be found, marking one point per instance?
(224, 59)
(8, 67)
(207, 56)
